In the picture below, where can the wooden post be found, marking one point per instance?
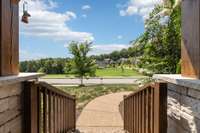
(190, 50)
(9, 37)
(160, 108)
(31, 109)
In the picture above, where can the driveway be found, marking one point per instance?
(91, 81)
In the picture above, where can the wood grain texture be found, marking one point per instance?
(9, 38)
(10, 90)
(13, 126)
(190, 50)
(145, 111)
(11, 104)
(49, 109)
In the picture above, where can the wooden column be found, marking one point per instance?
(31, 108)
(160, 108)
(191, 38)
(9, 37)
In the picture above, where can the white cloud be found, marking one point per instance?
(86, 7)
(98, 49)
(119, 37)
(139, 7)
(45, 22)
(71, 15)
(107, 48)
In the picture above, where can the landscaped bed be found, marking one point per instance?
(85, 94)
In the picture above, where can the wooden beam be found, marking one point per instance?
(190, 50)
(9, 38)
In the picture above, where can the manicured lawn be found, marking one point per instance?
(116, 72)
(88, 93)
(112, 72)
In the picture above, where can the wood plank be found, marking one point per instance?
(137, 120)
(9, 115)
(9, 39)
(54, 113)
(39, 109)
(152, 111)
(190, 50)
(65, 128)
(14, 126)
(57, 110)
(143, 112)
(10, 90)
(45, 111)
(31, 107)
(160, 108)
(50, 111)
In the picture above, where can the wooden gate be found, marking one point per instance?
(48, 109)
(145, 111)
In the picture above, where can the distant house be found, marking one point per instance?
(123, 60)
(101, 64)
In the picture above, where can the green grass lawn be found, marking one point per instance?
(112, 72)
(85, 94)
(116, 72)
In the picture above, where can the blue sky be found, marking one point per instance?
(110, 24)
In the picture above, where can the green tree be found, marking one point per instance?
(81, 64)
(48, 65)
(158, 48)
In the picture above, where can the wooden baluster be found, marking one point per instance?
(143, 113)
(67, 116)
(134, 114)
(53, 112)
(56, 113)
(147, 111)
(45, 110)
(50, 111)
(61, 116)
(39, 109)
(160, 108)
(137, 113)
(65, 131)
(125, 109)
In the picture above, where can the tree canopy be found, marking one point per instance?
(82, 65)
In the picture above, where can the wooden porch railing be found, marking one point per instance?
(48, 109)
(145, 111)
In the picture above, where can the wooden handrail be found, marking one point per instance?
(139, 90)
(55, 90)
(48, 109)
(145, 110)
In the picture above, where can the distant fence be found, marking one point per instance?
(145, 111)
(48, 109)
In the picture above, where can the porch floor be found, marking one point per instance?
(102, 115)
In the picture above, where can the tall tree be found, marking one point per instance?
(81, 64)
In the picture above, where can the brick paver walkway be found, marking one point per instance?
(102, 115)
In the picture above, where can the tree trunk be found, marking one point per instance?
(81, 81)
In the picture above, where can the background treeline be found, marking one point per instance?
(49, 65)
(116, 55)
